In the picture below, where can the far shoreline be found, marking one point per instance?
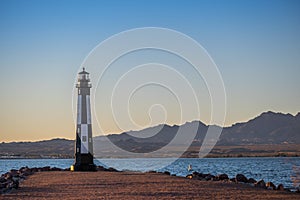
(207, 157)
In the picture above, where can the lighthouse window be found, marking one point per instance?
(83, 138)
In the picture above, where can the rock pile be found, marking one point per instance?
(10, 180)
(239, 178)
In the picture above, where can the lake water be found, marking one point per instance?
(278, 170)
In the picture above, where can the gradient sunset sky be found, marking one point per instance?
(255, 44)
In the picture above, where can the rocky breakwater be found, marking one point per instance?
(239, 178)
(11, 180)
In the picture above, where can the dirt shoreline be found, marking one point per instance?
(133, 185)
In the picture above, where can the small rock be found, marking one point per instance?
(34, 169)
(280, 187)
(209, 177)
(112, 169)
(196, 174)
(15, 184)
(15, 178)
(270, 185)
(223, 177)
(241, 178)
(189, 176)
(3, 190)
(252, 180)
(55, 169)
(100, 168)
(232, 179)
(7, 176)
(2, 185)
(23, 169)
(260, 184)
(2, 179)
(47, 168)
(167, 173)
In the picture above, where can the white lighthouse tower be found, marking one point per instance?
(84, 139)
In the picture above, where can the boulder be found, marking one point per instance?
(55, 169)
(15, 183)
(270, 186)
(232, 179)
(260, 184)
(3, 190)
(112, 169)
(7, 176)
(100, 168)
(23, 169)
(241, 178)
(15, 178)
(209, 177)
(3, 185)
(222, 177)
(2, 179)
(167, 173)
(198, 175)
(47, 168)
(251, 180)
(280, 187)
(34, 169)
(13, 172)
(151, 172)
(26, 173)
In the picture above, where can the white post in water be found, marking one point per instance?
(84, 139)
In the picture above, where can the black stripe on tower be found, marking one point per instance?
(83, 110)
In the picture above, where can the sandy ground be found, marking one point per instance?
(131, 185)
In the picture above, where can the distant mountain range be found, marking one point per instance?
(268, 129)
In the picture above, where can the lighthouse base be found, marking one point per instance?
(90, 167)
(84, 162)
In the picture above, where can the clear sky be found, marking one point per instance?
(255, 44)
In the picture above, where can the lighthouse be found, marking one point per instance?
(84, 139)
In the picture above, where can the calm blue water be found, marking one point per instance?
(277, 170)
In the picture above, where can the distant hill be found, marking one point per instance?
(269, 130)
(55, 148)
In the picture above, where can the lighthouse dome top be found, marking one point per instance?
(83, 71)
